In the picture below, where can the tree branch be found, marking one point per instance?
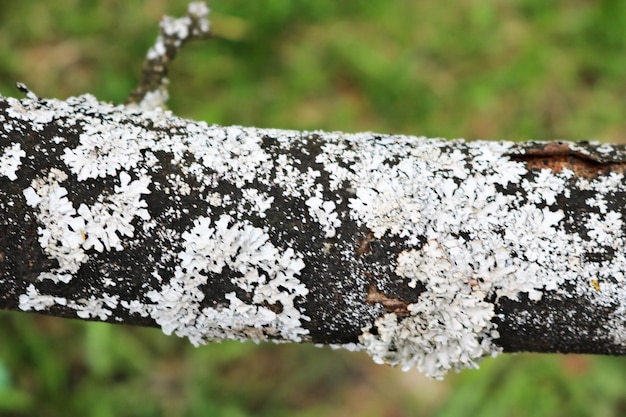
(423, 252)
(173, 34)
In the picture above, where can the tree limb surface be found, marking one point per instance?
(423, 252)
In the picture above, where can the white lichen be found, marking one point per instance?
(198, 9)
(462, 236)
(60, 230)
(605, 229)
(135, 307)
(33, 300)
(179, 29)
(10, 161)
(30, 111)
(545, 187)
(93, 307)
(232, 152)
(66, 233)
(155, 99)
(258, 268)
(110, 218)
(105, 149)
(323, 212)
(436, 339)
(481, 241)
(259, 202)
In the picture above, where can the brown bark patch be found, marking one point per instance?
(389, 303)
(364, 244)
(557, 156)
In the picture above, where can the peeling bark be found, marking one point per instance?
(425, 253)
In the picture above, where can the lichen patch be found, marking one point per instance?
(10, 161)
(224, 210)
(258, 268)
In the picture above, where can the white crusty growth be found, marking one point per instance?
(65, 233)
(10, 161)
(480, 241)
(180, 29)
(465, 238)
(72, 232)
(260, 270)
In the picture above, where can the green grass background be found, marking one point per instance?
(532, 69)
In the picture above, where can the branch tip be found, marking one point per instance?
(151, 91)
(22, 87)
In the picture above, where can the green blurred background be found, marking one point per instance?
(488, 69)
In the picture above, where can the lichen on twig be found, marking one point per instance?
(173, 33)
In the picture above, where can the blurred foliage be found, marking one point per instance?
(531, 69)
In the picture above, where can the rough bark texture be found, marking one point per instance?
(426, 253)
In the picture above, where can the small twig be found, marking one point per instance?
(173, 33)
(22, 87)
